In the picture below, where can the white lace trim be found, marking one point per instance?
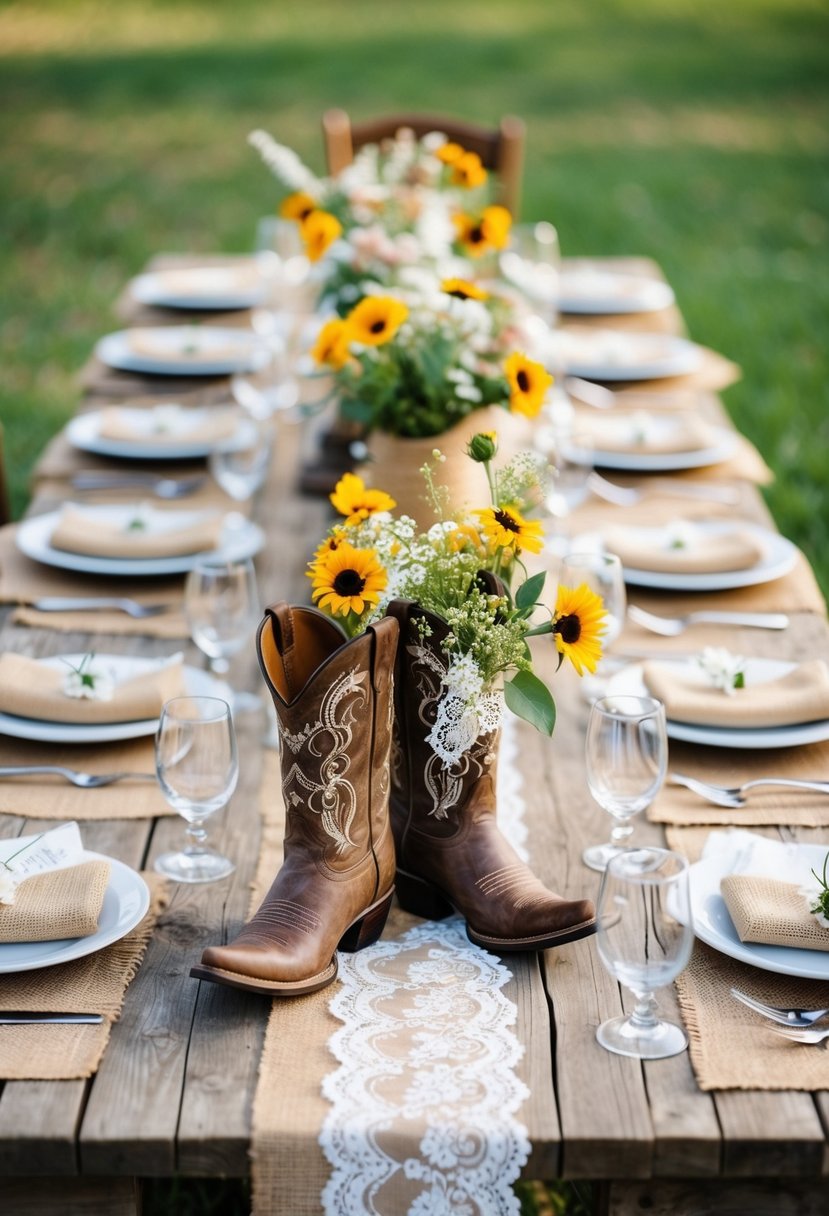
(509, 783)
(423, 1105)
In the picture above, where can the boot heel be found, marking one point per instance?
(421, 898)
(366, 930)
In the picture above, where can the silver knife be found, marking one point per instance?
(13, 1019)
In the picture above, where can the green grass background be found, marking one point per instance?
(693, 131)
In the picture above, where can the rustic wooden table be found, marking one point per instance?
(174, 1091)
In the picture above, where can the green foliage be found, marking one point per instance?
(530, 699)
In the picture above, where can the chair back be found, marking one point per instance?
(501, 149)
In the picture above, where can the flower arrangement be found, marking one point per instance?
(370, 557)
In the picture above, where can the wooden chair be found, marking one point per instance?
(501, 150)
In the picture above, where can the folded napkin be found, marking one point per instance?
(31, 688)
(185, 345)
(106, 531)
(700, 552)
(62, 903)
(776, 913)
(800, 696)
(207, 281)
(165, 425)
(642, 433)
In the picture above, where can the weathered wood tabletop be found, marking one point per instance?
(174, 1091)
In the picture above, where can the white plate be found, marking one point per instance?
(83, 432)
(591, 290)
(658, 462)
(246, 353)
(197, 684)
(610, 354)
(779, 556)
(713, 925)
(210, 287)
(126, 901)
(240, 539)
(757, 671)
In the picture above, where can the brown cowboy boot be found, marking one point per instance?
(450, 852)
(334, 703)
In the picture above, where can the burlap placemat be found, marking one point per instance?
(52, 797)
(22, 581)
(94, 984)
(764, 805)
(797, 591)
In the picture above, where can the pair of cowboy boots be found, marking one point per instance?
(366, 812)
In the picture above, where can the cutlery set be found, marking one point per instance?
(161, 487)
(797, 1025)
(84, 781)
(100, 604)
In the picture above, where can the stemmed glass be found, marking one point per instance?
(627, 756)
(570, 479)
(197, 767)
(240, 465)
(644, 940)
(603, 574)
(221, 604)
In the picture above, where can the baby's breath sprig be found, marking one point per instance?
(821, 904)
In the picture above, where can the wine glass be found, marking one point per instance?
(272, 390)
(221, 604)
(627, 755)
(568, 452)
(240, 465)
(644, 940)
(532, 262)
(603, 574)
(197, 767)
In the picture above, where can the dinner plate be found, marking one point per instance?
(83, 432)
(723, 447)
(779, 556)
(757, 671)
(197, 684)
(610, 354)
(126, 901)
(591, 290)
(234, 350)
(240, 539)
(202, 287)
(713, 925)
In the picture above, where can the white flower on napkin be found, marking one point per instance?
(139, 520)
(167, 418)
(724, 669)
(89, 681)
(681, 534)
(8, 884)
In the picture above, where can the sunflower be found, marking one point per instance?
(348, 580)
(468, 171)
(376, 319)
(528, 382)
(331, 346)
(333, 541)
(353, 499)
(449, 152)
(578, 623)
(297, 206)
(319, 230)
(462, 289)
(480, 234)
(505, 528)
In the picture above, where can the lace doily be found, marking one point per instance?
(509, 785)
(423, 1105)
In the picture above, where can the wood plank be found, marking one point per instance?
(539, 1113)
(37, 1196)
(769, 1198)
(38, 1127)
(770, 1135)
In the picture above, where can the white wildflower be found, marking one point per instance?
(8, 884)
(284, 163)
(89, 681)
(724, 669)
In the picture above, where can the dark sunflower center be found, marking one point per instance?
(458, 293)
(377, 327)
(348, 583)
(506, 521)
(569, 628)
(476, 235)
(523, 381)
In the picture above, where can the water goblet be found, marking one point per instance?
(644, 940)
(197, 767)
(240, 465)
(532, 262)
(273, 390)
(603, 574)
(567, 449)
(221, 604)
(626, 750)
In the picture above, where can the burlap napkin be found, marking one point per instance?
(94, 984)
(52, 797)
(33, 689)
(87, 530)
(772, 912)
(164, 426)
(700, 552)
(58, 904)
(183, 345)
(800, 696)
(206, 282)
(796, 591)
(637, 432)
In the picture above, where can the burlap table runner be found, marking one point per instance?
(52, 797)
(94, 984)
(22, 581)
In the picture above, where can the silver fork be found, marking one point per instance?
(68, 603)
(732, 795)
(800, 1019)
(628, 496)
(801, 1036)
(671, 626)
(161, 487)
(86, 781)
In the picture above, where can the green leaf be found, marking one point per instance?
(527, 594)
(531, 700)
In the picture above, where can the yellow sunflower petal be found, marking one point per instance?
(331, 346)
(578, 624)
(352, 498)
(462, 289)
(528, 382)
(319, 231)
(297, 206)
(376, 319)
